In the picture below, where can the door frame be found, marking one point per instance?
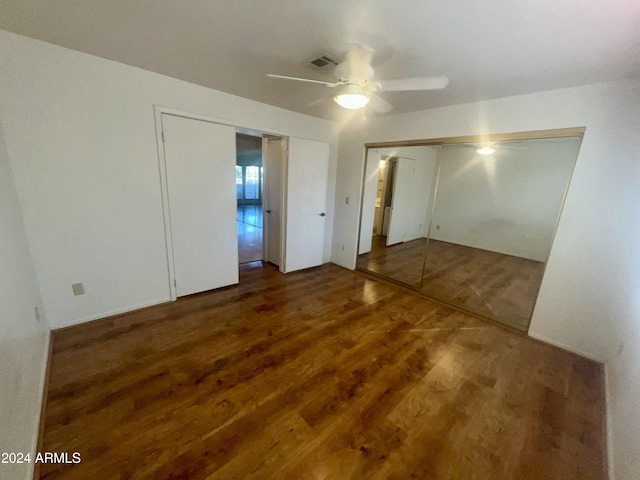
(162, 167)
(284, 152)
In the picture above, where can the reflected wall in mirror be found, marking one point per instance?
(396, 210)
(470, 224)
(494, 218)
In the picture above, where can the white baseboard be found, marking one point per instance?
(565, 347)
(111, 313)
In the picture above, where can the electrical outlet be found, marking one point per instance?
(343, 248)
(437, 227)
(37, 314)
(346, 200)
(78, 289)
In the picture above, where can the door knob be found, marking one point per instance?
(268, 210)
(322, 214)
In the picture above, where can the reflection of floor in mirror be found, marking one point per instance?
(401, 262)
(492, 284)
(489, 283)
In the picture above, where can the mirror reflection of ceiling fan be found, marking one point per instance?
(358, 87)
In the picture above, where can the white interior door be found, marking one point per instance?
(273, 204)
(307, 172)
(402, 211)
(200, 160)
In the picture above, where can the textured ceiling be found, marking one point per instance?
(488, 49)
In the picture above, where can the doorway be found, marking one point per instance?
(384, 196)
(260, 167)
(290, 186)
(249, 193)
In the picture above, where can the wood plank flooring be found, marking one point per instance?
(249, 224)
(401, 262)
(249, 243)
(318, 374)
(501, 287)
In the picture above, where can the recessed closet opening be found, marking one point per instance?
(469, 221)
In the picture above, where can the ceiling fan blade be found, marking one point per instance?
(318, 101)
(308, 80)
(378, 104)
(416, 83)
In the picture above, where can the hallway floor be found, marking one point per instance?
(249, 233)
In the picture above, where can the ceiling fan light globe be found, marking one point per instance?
(351, 101)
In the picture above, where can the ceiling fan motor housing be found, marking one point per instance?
(347, 77)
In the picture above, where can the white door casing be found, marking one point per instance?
(273, 149)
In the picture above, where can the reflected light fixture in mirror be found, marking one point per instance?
(486, 150)
(351, 98)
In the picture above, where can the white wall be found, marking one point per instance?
(507, 202)
(590, 296)
(349, 177)
(81, 139)
(23, 339)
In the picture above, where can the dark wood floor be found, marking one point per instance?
(317, 374)
(501, 287)
(401, 262)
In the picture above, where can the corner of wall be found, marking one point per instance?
(36, 444)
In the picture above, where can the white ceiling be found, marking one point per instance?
(488, 49)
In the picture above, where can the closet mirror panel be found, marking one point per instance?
(494, 218)
(396, 209)
(470, 224)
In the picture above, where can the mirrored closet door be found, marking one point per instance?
(396, 211)
(467, 222)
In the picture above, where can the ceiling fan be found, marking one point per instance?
(358, 86)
